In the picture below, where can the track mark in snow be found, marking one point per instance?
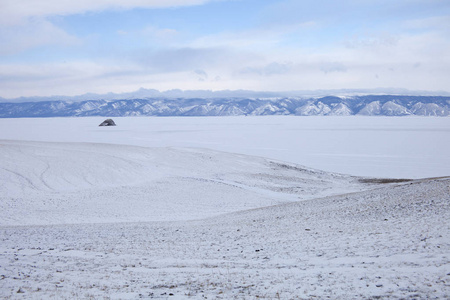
(30, 183)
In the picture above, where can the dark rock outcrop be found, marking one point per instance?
(108, 122)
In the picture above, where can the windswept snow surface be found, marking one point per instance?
(108, 221)
(61, 183)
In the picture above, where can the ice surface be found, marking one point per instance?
(406, 147)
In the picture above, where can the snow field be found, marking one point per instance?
(392, 242)
(64, 183)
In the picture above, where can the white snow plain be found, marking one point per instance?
(134, 211)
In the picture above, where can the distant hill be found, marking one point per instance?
(367, 105)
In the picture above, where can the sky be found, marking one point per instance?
(66, 47)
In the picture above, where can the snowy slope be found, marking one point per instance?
(60, 183)
(89, 221)
(391, 243)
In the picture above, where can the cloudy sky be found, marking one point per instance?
(66, 47)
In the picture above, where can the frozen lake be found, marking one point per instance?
(406, 147)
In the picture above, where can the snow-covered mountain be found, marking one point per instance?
(369, 105)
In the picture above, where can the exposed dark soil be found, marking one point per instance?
(383, 180)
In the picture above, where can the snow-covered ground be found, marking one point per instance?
(63, 183)
(102, 213)
(392, 243)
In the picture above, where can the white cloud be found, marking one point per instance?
(413, 61)
(188, 58)
(255, 38)
(293, 55)
(24, 23)
(372, 41)
(420, 61)
(80, 77)
(431, 23)
(13, 11)
(33, 33)
(329, 67)
(28, 73)
(63, 78)
(273, 68)
(201, 75)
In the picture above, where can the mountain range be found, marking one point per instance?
(368, 105)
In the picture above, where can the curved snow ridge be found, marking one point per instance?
(60, 183)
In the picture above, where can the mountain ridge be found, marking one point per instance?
(367, 105)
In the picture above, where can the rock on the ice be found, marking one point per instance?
(108, 122)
